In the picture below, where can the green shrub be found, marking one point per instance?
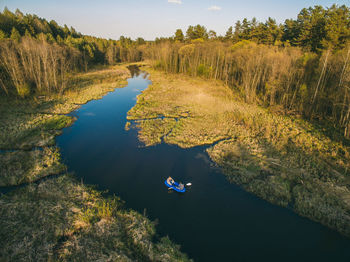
(23, 90)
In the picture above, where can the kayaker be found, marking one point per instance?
(170, 180)
(181, 186)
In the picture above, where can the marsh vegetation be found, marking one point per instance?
(280, 158)
(63, 220)
(58, 217)
(300, 66)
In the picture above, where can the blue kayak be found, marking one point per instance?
(178, 187)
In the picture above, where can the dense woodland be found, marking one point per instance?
(301, 65)
(37, 55)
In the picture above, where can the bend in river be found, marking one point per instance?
(213, 219)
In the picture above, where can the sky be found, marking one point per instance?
(158, 18)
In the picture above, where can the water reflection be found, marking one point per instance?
(136, 72)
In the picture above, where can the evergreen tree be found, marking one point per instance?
(15, 34)
(212, 34)
(59, 39)
(238, 31)
(19, 14)
(196, 32)
(337, 27)
(246, 29)
(50, 38)
(190, 33)
(201, 32)
(27, 33)
(56, 29)
(179, 36)
(140, 41)
(229, 33)
(312, 27)
(291, 31)
(274, 32)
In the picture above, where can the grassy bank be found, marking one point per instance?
(283, 159)
(33, 123)
(59, 219)
(62, 220)
(27, 166)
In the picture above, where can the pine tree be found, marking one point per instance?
(15, 34)
(212, 34)
(179, 36)
(337, 27)
(196, 32)
(291, 32)
(27, 33)
(312, 28)
(229, 33)
(238, 31)
(140, 41)
(190, 33)
(246, 29)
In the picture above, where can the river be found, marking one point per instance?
(214, 220)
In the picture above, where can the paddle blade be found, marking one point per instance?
(189, 184)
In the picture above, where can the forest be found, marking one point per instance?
(37, 56)
(300, 67)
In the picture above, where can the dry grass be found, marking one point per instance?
(282, 159)
(146, 134)
(27, 166)
(62, 220)
(25, 131)
(58, 219)
(32, 123)
(29, 123)
(194, 103)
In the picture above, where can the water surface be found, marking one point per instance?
(214, 220)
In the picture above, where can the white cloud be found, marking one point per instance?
(214, 8)
(175, 2)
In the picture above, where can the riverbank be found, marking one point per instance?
(29, 126)
(282, 159)
(58, 218)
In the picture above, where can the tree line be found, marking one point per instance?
(302, 65)
(315, 29)
(94, 50)
(313, 85)
(36, 55)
